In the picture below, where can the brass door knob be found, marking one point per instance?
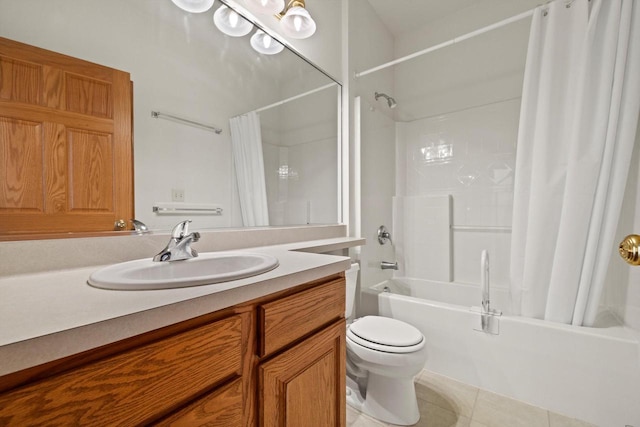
(120, 224)
(630, 249)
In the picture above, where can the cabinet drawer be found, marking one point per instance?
(222, 407)
(287, 319)
(132, 387)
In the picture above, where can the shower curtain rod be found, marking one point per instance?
(293, 98)
(449, 42)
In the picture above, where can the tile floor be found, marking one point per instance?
(444, 402)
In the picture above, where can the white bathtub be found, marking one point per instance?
(588, 373)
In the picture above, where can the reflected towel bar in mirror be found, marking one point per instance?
(159, 115)
(191, 208)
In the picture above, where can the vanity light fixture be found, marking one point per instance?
(268, 7)
(295, 19)
(194, 6)
(231, 23)
(263, 43)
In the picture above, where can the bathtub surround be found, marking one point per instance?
(578, 119)
(420, 219)
(447, 210)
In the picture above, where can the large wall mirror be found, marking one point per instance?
(181, 65)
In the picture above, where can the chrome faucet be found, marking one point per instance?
(179, 247)
(139, 227)
(386, 265)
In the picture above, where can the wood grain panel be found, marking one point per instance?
(88, 96)
(311, 396)
(21, 157)
(222, 407)
(285, 320)
(291, 382)
(56, 171)
(20, 81)
(91, 165)
(43, 114)
(123, 143)
(131, 388)
(54, 89)
(87, 178)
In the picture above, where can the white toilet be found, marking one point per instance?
(383, 357)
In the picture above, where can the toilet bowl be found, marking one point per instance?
(383, 357)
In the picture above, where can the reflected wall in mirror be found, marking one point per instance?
(182, 65)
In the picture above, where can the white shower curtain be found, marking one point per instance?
(246, 141)
(578, 120)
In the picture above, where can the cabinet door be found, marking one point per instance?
(305, 385)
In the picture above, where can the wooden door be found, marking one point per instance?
(65, 143)
(305, 386)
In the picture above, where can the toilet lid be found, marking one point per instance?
(385, 331)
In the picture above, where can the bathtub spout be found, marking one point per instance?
(386, 265)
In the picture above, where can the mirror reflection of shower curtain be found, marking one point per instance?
(246, 142)
(578, 120)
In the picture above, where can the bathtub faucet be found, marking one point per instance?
(489, 318)
(386, 265)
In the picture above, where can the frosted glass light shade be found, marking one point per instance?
(297, 23)
(230, 23)
(194, 6)
(263, 43)
(267, 7)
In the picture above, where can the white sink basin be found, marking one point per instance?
(205, 269)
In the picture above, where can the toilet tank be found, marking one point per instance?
(352, 280)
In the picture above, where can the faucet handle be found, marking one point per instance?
(181, 229)
(384, 235)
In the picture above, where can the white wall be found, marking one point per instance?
(371, 43)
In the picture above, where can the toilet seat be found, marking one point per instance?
(385, 334)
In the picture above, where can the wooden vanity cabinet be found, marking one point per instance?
(275, 361)
(305, 384)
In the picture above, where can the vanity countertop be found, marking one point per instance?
(49, 315)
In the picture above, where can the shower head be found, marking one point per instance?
(390, 101)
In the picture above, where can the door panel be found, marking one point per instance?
(65, 143)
